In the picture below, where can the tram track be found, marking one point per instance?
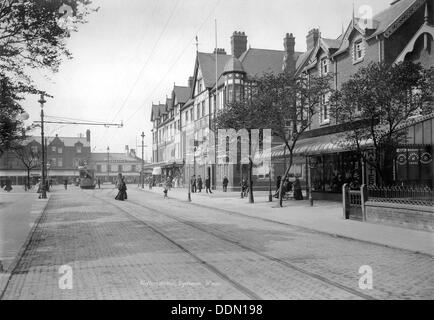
(236, 243)
(246, 291)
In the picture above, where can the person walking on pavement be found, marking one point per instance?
(208, 185)
(193, 184)
(65, 183)
(298, 195)
(225, 184)
(99, 183)
(199, 184)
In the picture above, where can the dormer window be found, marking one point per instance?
(324, 66)
(78, 149)
(358, 50)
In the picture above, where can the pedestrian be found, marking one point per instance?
(244, 187)
(99, 183)
(8, 186)
(65, 183)
(165, 191)
(298, 195)
(193, 184)
(225, 184)
(199, 183)
(122, 193)
(208, 185)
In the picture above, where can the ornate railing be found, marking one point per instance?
(414, 195)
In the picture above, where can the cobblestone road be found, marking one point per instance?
(150, 248)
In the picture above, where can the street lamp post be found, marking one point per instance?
(42, 101)
(143, 160)
(270, 194)
(108, 164)
(310, 183)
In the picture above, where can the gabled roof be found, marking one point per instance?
(331, 43)
(182, 94)
(157, 111)
(259, 61)
(207, 66)
(386, 22)
(67, 141)
(389, 16)
(169, 104)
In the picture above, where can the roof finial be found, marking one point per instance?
(197, 44)
(426, 18)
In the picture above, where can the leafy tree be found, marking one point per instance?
(280, 102)
(290, 103)
(385, 97)
(29, 158)
(33, 35)
(239, 115)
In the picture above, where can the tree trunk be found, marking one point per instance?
(284, 178)
(251, 198)
(28, 179)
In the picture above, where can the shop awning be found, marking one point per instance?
(333, 143)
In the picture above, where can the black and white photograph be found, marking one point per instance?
(229, 152)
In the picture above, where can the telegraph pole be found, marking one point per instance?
(42, 101)
(143, 160)
(108, 164)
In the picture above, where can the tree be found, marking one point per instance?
(384, 97)
(290, 102)
(29, 158)
(239, 115)
(33, 35)
(11, 125)
(280, 102)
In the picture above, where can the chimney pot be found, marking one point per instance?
(312, 38)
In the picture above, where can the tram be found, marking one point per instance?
(87, 178)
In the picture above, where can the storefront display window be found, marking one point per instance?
(330, 172)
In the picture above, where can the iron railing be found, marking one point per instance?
(414, 195)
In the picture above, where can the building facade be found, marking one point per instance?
(108, 165)
(64, 155)
(404, 31)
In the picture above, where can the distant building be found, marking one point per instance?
(107, 166)
(63, 156)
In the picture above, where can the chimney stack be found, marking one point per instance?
(190, 82)
(238, 43)
(127, 150)
(289, 62)
(88, 135)
(312, 38)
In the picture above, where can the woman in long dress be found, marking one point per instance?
(122, 194)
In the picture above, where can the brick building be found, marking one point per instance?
(64, 155)
(404, 31)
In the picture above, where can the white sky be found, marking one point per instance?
(132, 51)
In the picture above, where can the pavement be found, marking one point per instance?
(86, 245)
(324, 216)
(19, 214)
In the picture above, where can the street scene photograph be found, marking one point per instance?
(216, 150)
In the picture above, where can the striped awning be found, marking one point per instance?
(333, 143)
